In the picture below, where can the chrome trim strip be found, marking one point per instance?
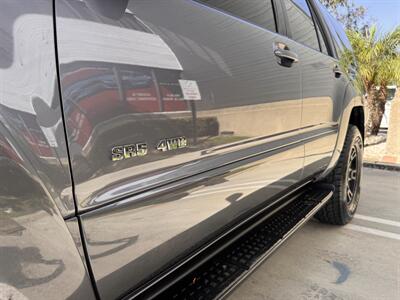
(159, 185)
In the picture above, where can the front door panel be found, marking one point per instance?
(120, 86)
(167, 92)
(131, 241)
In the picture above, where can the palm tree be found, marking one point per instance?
(378, 60)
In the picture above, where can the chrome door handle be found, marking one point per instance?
(287, 54)
(337, 71)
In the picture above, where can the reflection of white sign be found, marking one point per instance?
(190, 89)
(50, 137)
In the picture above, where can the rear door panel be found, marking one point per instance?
(322, 103)
(242, 142)
(322, 92)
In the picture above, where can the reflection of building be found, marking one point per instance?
(114, 85)
(96, 92)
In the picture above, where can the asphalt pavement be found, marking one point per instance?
(358, 261)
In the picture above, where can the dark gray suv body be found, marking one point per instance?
(134, 133)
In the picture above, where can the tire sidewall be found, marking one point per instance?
(354, 139)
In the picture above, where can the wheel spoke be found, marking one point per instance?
(353, 174)
(353, 155)
(349, 193)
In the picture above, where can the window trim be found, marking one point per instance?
(281, 24)
(325, 30)
(288, 25)
(227, 13)
(282, 18)
(316, 27)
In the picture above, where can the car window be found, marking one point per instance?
(338, 33)
(301, 23)
(258, 12)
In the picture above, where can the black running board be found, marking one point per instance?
(216, 277)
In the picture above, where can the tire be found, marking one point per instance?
(346, 177)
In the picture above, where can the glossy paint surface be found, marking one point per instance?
(259, 120)
(134, 239)
(38, 257)
(322, 91)
(259, 125)
(120, 85)
(29, 102)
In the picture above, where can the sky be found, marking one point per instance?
(386, 13)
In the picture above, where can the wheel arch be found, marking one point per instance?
(357, 118)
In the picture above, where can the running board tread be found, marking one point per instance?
(218, 276)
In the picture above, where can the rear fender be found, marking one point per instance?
(351, 100)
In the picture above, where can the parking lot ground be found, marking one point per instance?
(358, 261)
